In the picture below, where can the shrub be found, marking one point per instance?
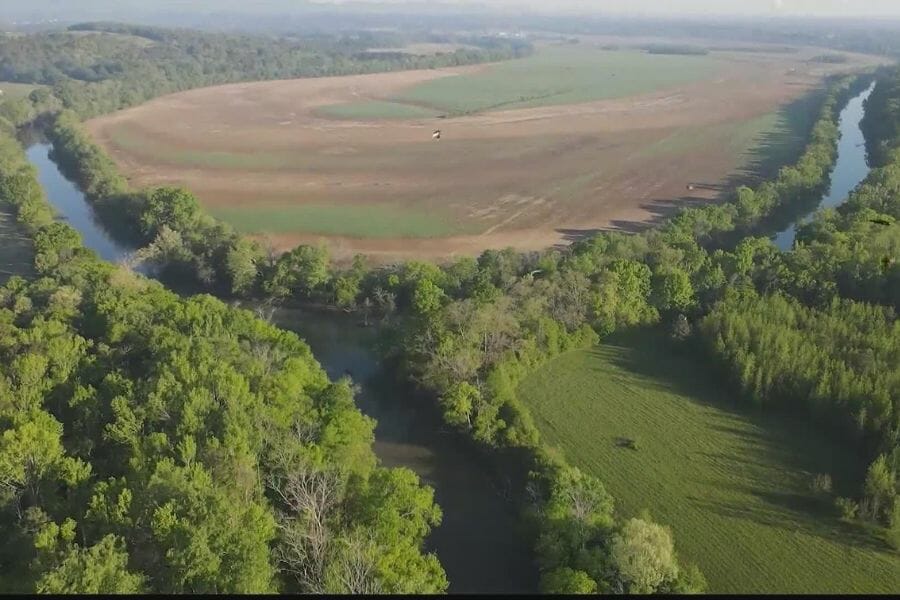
(847, 508)
(821, 484)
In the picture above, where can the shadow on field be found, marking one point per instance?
(791, 512)
(772, 150)
(571, 236)
(773, 442)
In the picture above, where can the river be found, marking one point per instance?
(478, 541)
(72, 206)
(850, 169)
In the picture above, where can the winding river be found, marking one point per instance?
(72, 206)
(478, 541)
(850, 169)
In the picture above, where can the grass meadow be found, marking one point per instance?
(369, 220)
(731, 483)
(556, 75)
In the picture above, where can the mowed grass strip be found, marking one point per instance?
(355, 221)
(732, 484)
(135, 144)
(559, 76)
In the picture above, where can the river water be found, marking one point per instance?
(850, 169)
(478, 541)
(72, 206)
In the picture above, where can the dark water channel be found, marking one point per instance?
(478, 542)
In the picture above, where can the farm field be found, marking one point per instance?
(555, 76)
(533, 152)
(731, 483)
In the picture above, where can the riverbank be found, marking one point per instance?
(479, 542)
(850, 169)
(409, 295)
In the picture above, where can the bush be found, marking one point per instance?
(681, 328)
(847, 508)
(821, 484)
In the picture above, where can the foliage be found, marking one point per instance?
(837, 363)
(644, 556)
(96, 68)
(153, 443)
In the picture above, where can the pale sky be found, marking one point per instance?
(771, 8)
(692, 7)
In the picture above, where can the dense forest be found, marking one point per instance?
(96, 68)
(156, 444)
(144, 415)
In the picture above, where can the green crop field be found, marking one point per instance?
(16, 251)
(358, 221)
(552, 76)
(731, 483)
(125, 139)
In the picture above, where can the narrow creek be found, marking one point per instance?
(478, 541)
(850, 169)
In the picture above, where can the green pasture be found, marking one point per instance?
(134, 143)
(732, 483)
(552, 76)
(356, 221)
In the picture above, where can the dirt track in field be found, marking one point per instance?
(526, 178)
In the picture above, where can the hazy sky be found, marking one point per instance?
(824, 8)
(702, 7)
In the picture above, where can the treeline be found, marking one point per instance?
(881, 121)
(676, 49)
(98, 68)
(187, 244)
(838, 363)
(792, 193)
(854, 250)
(154, 444)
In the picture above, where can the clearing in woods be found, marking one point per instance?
(534, 152)
(14, 91)
(733, 484)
